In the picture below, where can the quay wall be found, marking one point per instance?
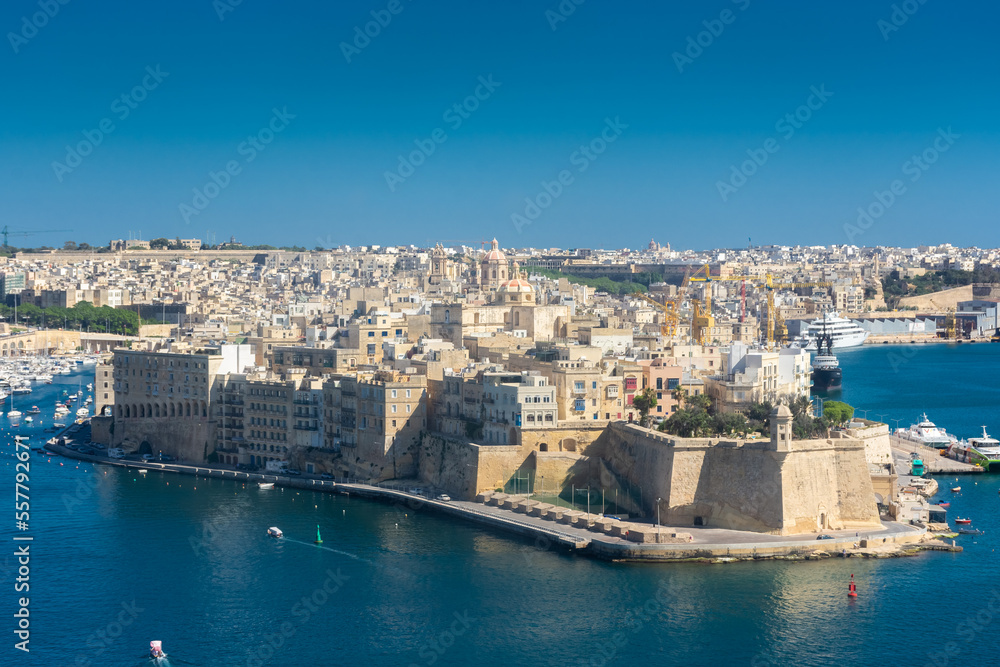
(595, 545)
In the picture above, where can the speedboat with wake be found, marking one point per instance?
(156, 651)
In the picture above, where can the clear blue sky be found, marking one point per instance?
(322, 180)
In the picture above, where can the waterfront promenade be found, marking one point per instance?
(705, 543)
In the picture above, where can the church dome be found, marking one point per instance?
(495, 254)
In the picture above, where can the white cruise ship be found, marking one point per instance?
(844, 332)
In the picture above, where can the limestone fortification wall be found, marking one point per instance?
(184, 439)
(744, 485)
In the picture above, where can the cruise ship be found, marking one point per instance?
(925, 432)
(843, 332)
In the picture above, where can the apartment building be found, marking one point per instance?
(164, 401)
(380, 417)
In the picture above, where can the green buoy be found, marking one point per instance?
(319, 540)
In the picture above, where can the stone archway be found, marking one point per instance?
(145, 448)
(544, 447)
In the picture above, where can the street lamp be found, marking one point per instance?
(897, 423)
(864, 411)
(880, 416)
(658, 500)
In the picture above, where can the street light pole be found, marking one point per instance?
(658, 519)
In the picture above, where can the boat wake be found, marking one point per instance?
(336, 551)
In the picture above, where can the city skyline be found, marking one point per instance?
(698, 126)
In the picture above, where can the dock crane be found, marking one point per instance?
(670, 319)
(7, 232)
(776, 331)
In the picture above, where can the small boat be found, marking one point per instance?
(28, 420)
(963, 521)
(83, 412)
(34, 410)
(944, 504)
(59, 425)
(142, 471)
(14, 414)
(266, 485)
(970, 531)
(156, 651)
(956, 489)
(275, 532)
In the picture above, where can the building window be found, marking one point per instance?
(578, 386)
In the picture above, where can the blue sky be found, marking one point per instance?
(590, 130)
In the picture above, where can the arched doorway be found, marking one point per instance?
(544, 447)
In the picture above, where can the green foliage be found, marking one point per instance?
(895, 288)
(836, 412)
(82, 316)
(644, 401)
(600, 284)
(159, 244)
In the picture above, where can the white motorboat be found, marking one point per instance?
(842, 332)
(265, 485)
(925, 432)
(275, 532)
(83, 412)
(156, 651)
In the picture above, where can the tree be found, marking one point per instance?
(644, 401)
(159, 244)
(680, 395)
(836, 412)
(69, 245)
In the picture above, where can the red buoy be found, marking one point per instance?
(852, 590)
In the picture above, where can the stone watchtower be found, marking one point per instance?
(781, 429)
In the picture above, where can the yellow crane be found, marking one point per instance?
(776, 329)
(702, 321)
(670, 318)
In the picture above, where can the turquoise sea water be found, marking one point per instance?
(119, 559)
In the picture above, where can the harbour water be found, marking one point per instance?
(119, 559)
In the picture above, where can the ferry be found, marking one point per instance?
(983, 452)
(926, 433)
(843, 332)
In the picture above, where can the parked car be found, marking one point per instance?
(165, 458)
(824, 537)
(443, 497)
(416, 490)
(326, 475)
(292, 471)
(147, 457)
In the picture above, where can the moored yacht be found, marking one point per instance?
(842, 331)
(925, 432)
